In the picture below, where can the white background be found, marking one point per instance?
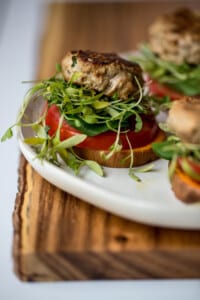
(20, 29)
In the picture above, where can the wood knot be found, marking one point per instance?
(121, 239)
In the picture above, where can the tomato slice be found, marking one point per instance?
(104, 140)
(190, 167)
(194, 165)
(161, 90)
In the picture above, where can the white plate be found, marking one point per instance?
(150, 201)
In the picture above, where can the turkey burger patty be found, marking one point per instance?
(104, 72)
(176, 37)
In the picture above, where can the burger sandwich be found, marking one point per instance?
(171, 59)
(95, 113)
(182, 149)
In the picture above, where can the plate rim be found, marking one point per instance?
(100, 193)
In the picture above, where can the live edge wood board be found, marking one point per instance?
(60, 237)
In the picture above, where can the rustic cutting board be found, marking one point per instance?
(60, 237)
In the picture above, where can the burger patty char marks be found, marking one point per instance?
(176, 37)
(184, 119)
(104, 72)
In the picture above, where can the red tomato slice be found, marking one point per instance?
(190, 167)
(160, 90)
(194, 165)
(104, 140)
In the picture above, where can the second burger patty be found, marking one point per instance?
(175, 37)
(184, 119)
(105, 72)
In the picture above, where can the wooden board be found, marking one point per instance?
(60, 237)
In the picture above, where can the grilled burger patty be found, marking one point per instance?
(104, 72)
(176, 37)
(184, 119)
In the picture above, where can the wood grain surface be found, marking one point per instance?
(60, 237)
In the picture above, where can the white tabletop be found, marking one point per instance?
(20, 29)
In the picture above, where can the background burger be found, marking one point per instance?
(172, 57)
(183, 149)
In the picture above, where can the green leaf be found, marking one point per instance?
(34, 141)
(86, 128)
(133, 175)
(74, 77)
(146, 168)
(139, 123)
(71, 91)
(7, 135)
(172, 167)
(113, 112)
(94, 166)
(115, 147)
(58, 68)
(70, 160)
(40, 130)
(90, 119)
(164, 127)
(184, 78)
(187, 87)
(71, 142)
(160, 150)
(100, 104)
